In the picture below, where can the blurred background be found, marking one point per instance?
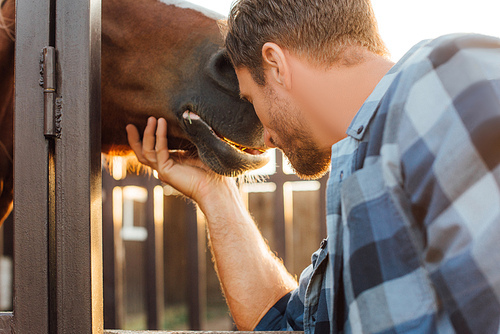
(158, 272)
(403, 23)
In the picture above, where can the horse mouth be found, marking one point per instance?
(191, 117)
(223, 155)
(244, 149)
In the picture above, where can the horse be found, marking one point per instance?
(161, 58)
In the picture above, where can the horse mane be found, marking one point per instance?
(6, 24)
(188, 5)
(222, 24)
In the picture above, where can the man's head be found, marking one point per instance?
(320, 30)
(290, 57)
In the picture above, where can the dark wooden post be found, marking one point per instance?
(279, 209)
(76, 290)
(112, 259)
(58, 271)
(58, 281)
(154, 260)
(196, 269)
(31, 151)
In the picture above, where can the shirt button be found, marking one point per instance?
(360, 129)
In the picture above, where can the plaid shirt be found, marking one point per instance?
(413, 204)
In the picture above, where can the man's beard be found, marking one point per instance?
(306, 158)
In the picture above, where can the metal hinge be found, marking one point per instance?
(52, 103)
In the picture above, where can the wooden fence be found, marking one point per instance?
(169, 254)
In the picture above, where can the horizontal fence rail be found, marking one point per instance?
(191, 332)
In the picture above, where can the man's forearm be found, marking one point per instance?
(252, 278)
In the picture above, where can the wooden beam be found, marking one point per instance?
(77, 289)
(193, 332)
(279, 208)
(196, 269)
(31, 151)
(153, 259)
(112, 258)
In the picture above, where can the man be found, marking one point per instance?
(414, 190)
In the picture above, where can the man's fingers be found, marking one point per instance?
(162, 154)
(134, 140)
(148, 142)
(144, 150)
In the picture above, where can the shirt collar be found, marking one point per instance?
(360, 123)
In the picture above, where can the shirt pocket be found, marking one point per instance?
(383, 272)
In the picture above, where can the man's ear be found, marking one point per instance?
(276, 64)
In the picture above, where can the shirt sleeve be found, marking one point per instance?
(288, 313)
(275, 318)
(449, 141)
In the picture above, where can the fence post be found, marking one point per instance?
(31, 305)
(78, 221)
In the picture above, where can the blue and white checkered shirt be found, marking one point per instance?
(413, 204)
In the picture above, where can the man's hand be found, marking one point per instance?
(191, 177)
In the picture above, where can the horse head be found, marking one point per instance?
(164, 58)
(159, 58)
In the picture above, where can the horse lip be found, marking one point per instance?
(218, 154)
(189, 117)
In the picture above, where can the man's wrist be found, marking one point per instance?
(222, 199)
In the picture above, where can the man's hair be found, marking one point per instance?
(320, 30)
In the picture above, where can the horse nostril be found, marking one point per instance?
(221, 71)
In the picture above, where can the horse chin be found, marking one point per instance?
(221, 155)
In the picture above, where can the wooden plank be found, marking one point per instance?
(30, 170)
(78, 202)
(279, 211)
(196, 270)
(194, 332)
(6, 322)
(306, 228)
(153, 260)
(112, 258)
(175, 250)
(261, 206)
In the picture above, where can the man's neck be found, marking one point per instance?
(333, 96)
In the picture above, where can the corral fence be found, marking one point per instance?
(156, 257)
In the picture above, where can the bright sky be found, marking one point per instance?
(404, 23)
